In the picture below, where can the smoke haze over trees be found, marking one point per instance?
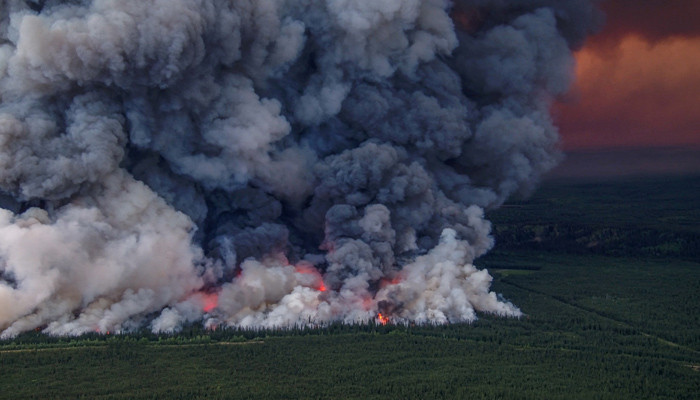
(270, 162)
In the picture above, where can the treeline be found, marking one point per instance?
(539, 331)
(639, 218)
(604, 240)
(194, 333)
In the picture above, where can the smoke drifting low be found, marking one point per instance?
(266, 163)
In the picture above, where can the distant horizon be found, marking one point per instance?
(615, 162)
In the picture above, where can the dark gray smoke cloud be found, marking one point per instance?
(267, 162)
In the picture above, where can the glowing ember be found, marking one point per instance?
(383, 319)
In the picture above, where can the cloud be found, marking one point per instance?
(641, 93)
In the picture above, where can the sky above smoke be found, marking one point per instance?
(269, 162)
(638, 80)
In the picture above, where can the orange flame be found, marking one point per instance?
(306, 268)
(383, 319)
(210, 301)
(384, 282)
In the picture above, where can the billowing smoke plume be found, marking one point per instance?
(266, 162)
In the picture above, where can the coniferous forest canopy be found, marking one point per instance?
(609, 289)
(300, 199)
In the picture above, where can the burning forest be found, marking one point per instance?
(267, 163)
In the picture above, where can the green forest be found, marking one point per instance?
(607, 275)
(651, 217)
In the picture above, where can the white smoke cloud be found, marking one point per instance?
(266, 163)
(443, 286)
(113, 255)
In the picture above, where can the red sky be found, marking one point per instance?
(638, 80)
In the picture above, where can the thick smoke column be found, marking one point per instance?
(266, 162)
